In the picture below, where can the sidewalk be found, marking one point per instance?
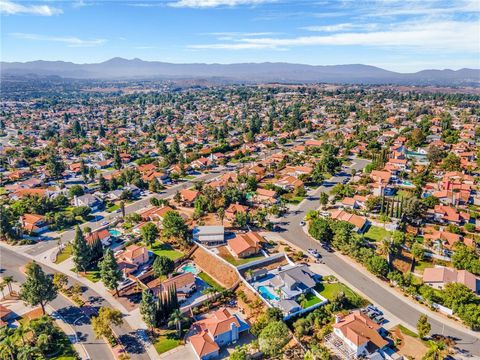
(396, 293)
(133, 319)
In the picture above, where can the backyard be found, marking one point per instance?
(310, 299)
(208, 279)
(162, 249)
(225, 254)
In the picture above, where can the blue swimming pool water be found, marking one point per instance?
(114, 232)
(189, 268)
(265, 292)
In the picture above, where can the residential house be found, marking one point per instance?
(356, 335)
(244, 245)
(103, 235)
(184, 284)
(233, 210)
(266, 197)
(33, 223)
(359, 222)
(209, 235)
(132, 258)
(189, 196)
(438, 277)
(218, 329)
(89, 200)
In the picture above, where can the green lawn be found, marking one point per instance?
(406, 331)
(189, 177)
(330, 292)
(2, 191)
(311, 300)
(421, 265)
(92, 274)
(64, 254)
(294, 200)
(205, 277)
(376, 233)
(113, 208)
(167, 341)
(236, 262)
(161, 249)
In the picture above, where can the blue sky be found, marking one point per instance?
(400, 35)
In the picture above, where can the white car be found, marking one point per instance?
(302, 223)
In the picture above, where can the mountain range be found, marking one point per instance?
(122, 69)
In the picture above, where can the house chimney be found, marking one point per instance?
(337, 318)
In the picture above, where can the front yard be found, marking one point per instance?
(376, 233)
(64, 254)
(166, 341)
(162, 249)
(330, 291)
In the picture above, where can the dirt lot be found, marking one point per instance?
(403, 262)
(409, 347)
(253, 306)
(220, 272)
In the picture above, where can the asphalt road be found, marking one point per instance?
(10, 263)
(294, 233)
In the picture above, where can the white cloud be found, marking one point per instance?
(11, 8)
(340, 27)
(448, 36)
(71, 41)
(216, 3)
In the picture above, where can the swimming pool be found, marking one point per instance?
(114, 232)
(267, 294)
(189, 268)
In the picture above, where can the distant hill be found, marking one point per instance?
(119, 68)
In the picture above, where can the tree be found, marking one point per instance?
(378, 265)
(147, 308)
(110, 272)
(55, 166)
(106, 317)
(122, 208)
(76, 190)
(273, 338)
(423, 326)
(149, 233)
(60, 280)
(38, 288)
(221, 214)
(451, 163)
(437, 351)
(239, 353)
(418, 252)
(174, 226)
(320, 229)
(8, 281)
(176, 318)
(80, 251)
(323, 199)
(465, 258)
(162, 266)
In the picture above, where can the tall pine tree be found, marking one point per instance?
(148, 309)
(81, 251)
(110, 272)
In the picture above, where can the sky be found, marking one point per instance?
(398, 35)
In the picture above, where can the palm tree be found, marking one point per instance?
(209, 291)
(386, 248)
(176, 319)
(438, 351)
(302, 299)
(28, 352)
(23, 330)
(7, 349)
(8, 280)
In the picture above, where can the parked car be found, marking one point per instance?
(302, 223)
(374, 309)
(327, 247)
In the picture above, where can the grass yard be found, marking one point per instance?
(376, 233)
(167, 341)
(113, 208)
(330, 292)
(92, 274)
(311, 300)
(64, 254)
(421, 265)
(189, 177)
(236, 262)
(205, 277)
(162, 249)
(406, 331)
(294, 200)
(3, 191)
